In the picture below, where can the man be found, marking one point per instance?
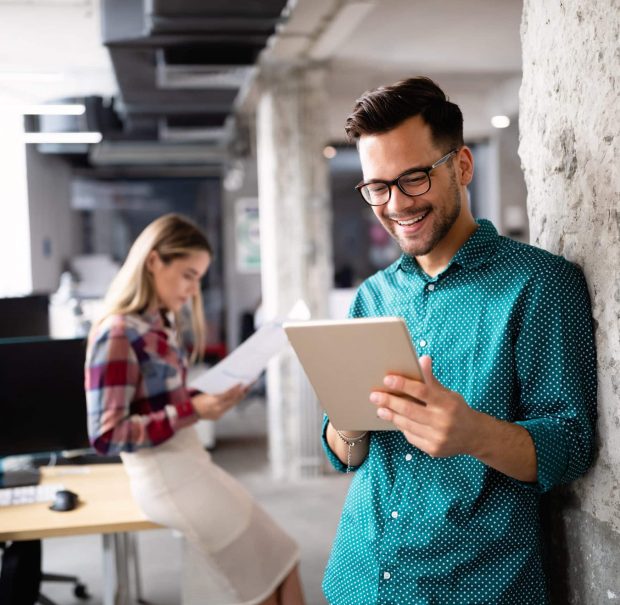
(445, 510)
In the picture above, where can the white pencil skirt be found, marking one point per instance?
(238, 554)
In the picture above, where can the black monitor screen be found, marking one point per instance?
(42, 399)
(24, 316)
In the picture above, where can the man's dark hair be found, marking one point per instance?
(384, 108)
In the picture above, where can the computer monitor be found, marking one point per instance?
(42, 398)
(24, 316)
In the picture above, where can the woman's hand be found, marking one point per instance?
(212, 407)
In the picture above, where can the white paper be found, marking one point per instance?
(249, 359)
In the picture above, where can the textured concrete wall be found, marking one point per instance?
(570, 149)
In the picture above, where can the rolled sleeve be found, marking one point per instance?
(331, 456)
(556, 366)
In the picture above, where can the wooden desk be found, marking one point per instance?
(105, 507)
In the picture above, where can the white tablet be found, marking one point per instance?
(347, 359)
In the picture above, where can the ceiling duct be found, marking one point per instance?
(182, 66)
(191, 73)
(145, 153)
(207, 128)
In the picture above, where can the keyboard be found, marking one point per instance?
(29, 494)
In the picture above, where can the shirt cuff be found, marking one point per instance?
(551, 453)
(181, 414)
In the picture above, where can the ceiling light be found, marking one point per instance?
(16, 76)
(62, 137)
(329, 152)
(500, 121)
(73, 109)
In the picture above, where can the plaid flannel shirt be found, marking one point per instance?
(135, 384)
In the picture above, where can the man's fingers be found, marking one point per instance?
(404, 423)
(405, 406)
(411, 388)
(426, 365)
(415, 389)
(418, 435)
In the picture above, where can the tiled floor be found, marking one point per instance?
(309, 509)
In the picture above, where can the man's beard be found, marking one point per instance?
(443, 218)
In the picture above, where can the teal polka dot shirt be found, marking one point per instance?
(509, 327)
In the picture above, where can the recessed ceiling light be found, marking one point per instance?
(500, 121)
(329, 151)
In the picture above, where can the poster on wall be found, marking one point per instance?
(247, 235)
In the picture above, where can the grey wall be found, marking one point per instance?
(570, 148)
(512, 190)
(498, 191)
(243, 290)
(54, 228)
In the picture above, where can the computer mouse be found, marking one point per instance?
(64, 500)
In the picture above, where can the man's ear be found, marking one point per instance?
(465, 164)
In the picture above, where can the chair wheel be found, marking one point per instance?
(81, 592)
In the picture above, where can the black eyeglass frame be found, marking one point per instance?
(389, 184)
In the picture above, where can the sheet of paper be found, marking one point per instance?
(249, 359)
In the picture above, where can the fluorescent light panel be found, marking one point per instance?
(62, 137)
(74, 109)
(17, 76)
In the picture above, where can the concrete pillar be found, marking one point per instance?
(296, 260)
(570, 149)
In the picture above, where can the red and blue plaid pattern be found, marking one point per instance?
(135, 384)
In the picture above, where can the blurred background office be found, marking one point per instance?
(114, 112)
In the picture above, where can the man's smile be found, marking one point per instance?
(412, 220)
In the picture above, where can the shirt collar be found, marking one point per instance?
(478, 249)
(154, 317)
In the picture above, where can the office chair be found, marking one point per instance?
(21, 576)
(79, 589)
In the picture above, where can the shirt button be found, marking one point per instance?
(387, 575)
(408, 457)
(431, 287)
(394, 514)
(422, 343)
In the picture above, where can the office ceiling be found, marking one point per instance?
(178, 69)
(181, 64)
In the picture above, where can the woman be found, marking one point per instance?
(139, 406)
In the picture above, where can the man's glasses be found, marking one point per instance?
(412, 182)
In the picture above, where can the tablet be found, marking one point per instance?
(347, 359)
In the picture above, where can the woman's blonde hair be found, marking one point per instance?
(172, 236)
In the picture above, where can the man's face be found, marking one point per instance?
(419, 223)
